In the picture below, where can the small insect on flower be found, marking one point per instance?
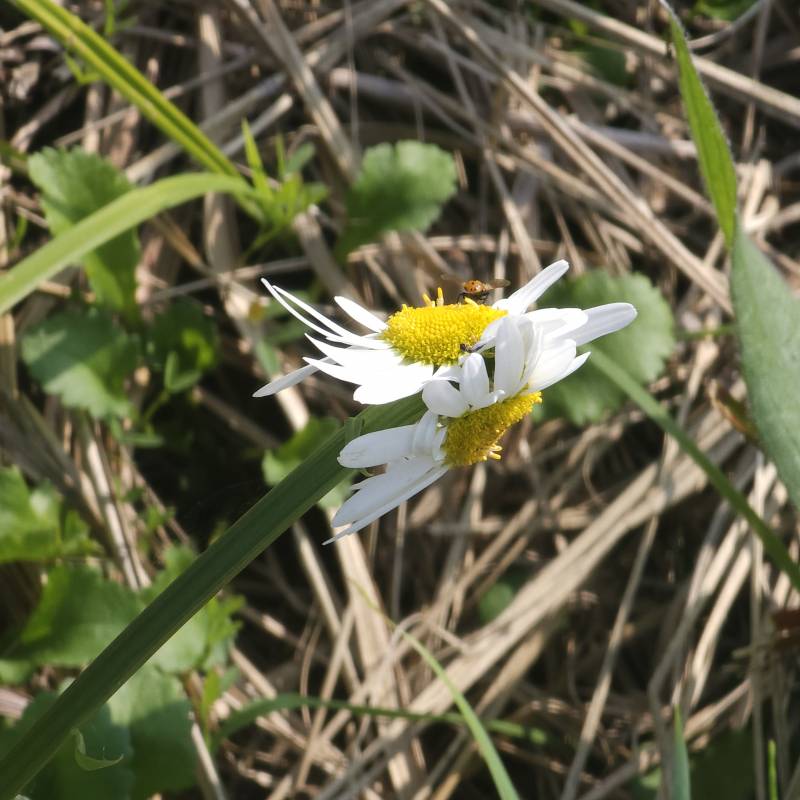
(474, 289)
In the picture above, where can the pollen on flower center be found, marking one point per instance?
(438, 334)
(473, 437)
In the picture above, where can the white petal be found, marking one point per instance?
(378, 490)
(423, 481)
(424, 438)
(475, 381)
(358, 357)
(508, 359)
(281, 296)
(285, 381)
(576, 362)
(444, 399)
(519, 301)
(603, 320)
(552, 364)
(286, 300)
(369, 341)
(555, 322)
(378, 447)
(360, 314)
(348, 374)
(384, 387)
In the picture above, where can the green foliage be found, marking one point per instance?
(727, 10)
(768, 321)
(92, 764)
(154, 708)
(713, 152)
(34, 526)
(74, 184)
(640, 349)
(400, 187)
(183, 343)
(78, 614)
(767, 316)
(100, 227)
(84, 358)
(205, 639)
(278, 463)
(279, 205)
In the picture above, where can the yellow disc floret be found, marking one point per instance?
(438, 334)
(473, 437)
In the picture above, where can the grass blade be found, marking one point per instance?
(681, 783)
(117, 71)
(713, 151)
(224, 559)
(118, 216)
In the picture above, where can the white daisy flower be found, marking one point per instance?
(416, 345)
(398, 356)
(463, 423)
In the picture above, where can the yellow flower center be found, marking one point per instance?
(473, 437)
(437, 333)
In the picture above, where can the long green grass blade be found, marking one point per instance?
(123, 213)
(681, 783)
(117, 71)
(231, 553)
(713, 152)
(500, 777)
(290, 701)
(772, 544)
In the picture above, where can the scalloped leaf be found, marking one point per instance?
(401, 187)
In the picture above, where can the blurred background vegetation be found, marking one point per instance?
(578, 590)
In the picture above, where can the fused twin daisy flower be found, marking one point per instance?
(439, 349)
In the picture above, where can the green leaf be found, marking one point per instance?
(713, 151)
(400, 187)
(95, 230)
(74, 184)
(768, 321)
(78, 614)
(207, 636)
(94, 764)
(278, 463)
(640, 349)
(681, 784)
(182, 342)
(153, 706)
(87, 762)
(84, 358)
(33, 524)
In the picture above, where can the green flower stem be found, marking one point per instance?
(716, 477)
(185, 596)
